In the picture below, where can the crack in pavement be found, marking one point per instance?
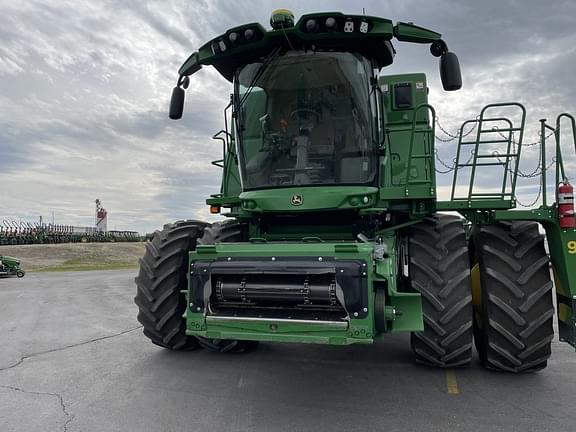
(27, 356)
(69, 417)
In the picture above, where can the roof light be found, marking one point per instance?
(249, 34)
(312, 25)
(233, 37)
(330, 23)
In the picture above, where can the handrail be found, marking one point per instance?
(217, 136)
(481, 119)
(558, 135)
(560, 169)
(543, 177)
(430, 132)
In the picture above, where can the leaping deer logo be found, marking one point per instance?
(296, 200)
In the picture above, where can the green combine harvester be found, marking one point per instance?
(334, 232)
(10, 266)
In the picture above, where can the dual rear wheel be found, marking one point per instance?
(506, 306)
(513, 307)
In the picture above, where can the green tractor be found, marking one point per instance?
(334, 233)
(10, 266)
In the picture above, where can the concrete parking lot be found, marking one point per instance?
(73, 358)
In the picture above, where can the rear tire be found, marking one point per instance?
(514, 322)
(225, 233)
(440, 271)
(19, 273)
(160, 282)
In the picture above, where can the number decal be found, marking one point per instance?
(572, 247)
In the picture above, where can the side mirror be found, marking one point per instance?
(450, 71)
(177, 99)
(177, 103)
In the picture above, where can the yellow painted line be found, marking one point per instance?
(451, 382)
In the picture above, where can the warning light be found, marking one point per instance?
(214, 209)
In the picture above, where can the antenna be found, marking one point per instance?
(363, 11)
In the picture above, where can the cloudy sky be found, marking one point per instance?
(84, 91)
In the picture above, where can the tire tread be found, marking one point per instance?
(515, 329)
(440, 272)
(160, 281)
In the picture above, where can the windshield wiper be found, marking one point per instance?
(239, 103)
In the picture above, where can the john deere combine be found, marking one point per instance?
(10, 266)
(334, 234)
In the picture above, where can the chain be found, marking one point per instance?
(454, 162)
(536, 173)
(533, 174)
(444, 139)
(532, 204)
(444, 164)
(452, 136)
(530, 144)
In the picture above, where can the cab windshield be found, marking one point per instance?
(305, 119)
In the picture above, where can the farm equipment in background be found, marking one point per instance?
(21, 233)
(334, 232)
(10, 266)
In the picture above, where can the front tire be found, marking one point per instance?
(160, 282)
(440, 271)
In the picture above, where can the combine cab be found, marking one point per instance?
(335, 234)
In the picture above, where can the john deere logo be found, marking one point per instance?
(296, 199)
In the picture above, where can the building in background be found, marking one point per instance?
(101, 217)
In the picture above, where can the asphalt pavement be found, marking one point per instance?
(73, 358)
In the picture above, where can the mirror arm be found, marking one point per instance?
(438, 48)
(183, 81)
(408, 32)
(191, 65)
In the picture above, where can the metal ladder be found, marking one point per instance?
(490, 133)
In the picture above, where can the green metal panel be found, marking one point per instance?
(493, 204)
(398, 116)
(355, 330)
(562, 245)
(369, 42)
(305, 199)
(408, 32)
(405, 307)
(408, 166)
(232, 56)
